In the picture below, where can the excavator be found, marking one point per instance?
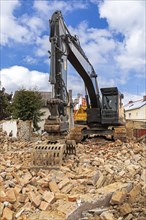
(80, 115)
(105, 112)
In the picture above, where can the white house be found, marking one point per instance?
(136, 110)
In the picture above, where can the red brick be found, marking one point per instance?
(63, 183)
(2, 196)
(66, 189)
(11, 196)
(125, 209)
(118, 197)
(22, 198)
(17, 190)
(134, 193)
(53, 186)
(36, 201)
(44, 206)
(49, 197)
(1, 208)
(7, 214)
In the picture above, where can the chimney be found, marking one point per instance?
(130, 102)
(144, 98)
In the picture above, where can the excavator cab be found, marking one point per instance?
(112, 111)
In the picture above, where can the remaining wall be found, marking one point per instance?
(20, 129)
(135, 128)
(139, 132)
(24, 130)
(9, 126)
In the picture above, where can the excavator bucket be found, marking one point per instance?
(52, 154)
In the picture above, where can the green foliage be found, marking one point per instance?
(26, 105)
(4, 104)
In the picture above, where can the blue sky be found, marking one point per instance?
(111, 32)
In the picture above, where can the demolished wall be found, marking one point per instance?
(20, 129)
(135, 129)
(8, 126)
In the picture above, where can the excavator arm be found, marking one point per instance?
(64, 48)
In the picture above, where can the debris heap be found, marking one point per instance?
(104, 181)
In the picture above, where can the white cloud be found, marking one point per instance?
(129, 19)
(46, 8)
(43, 45)
(76, 84)
(103, 83)
(10, 26)
(97, 43)
(34, 24)
(123, 16)
(132, 55)
(16, 77)
(29, 28)
(30, 60)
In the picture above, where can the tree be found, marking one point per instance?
(5, 99)
(26, 105)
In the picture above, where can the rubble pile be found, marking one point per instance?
(104, 181)
(2, 136)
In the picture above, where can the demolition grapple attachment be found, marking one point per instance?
(52, 153)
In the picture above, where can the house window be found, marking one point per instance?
(129, 115)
